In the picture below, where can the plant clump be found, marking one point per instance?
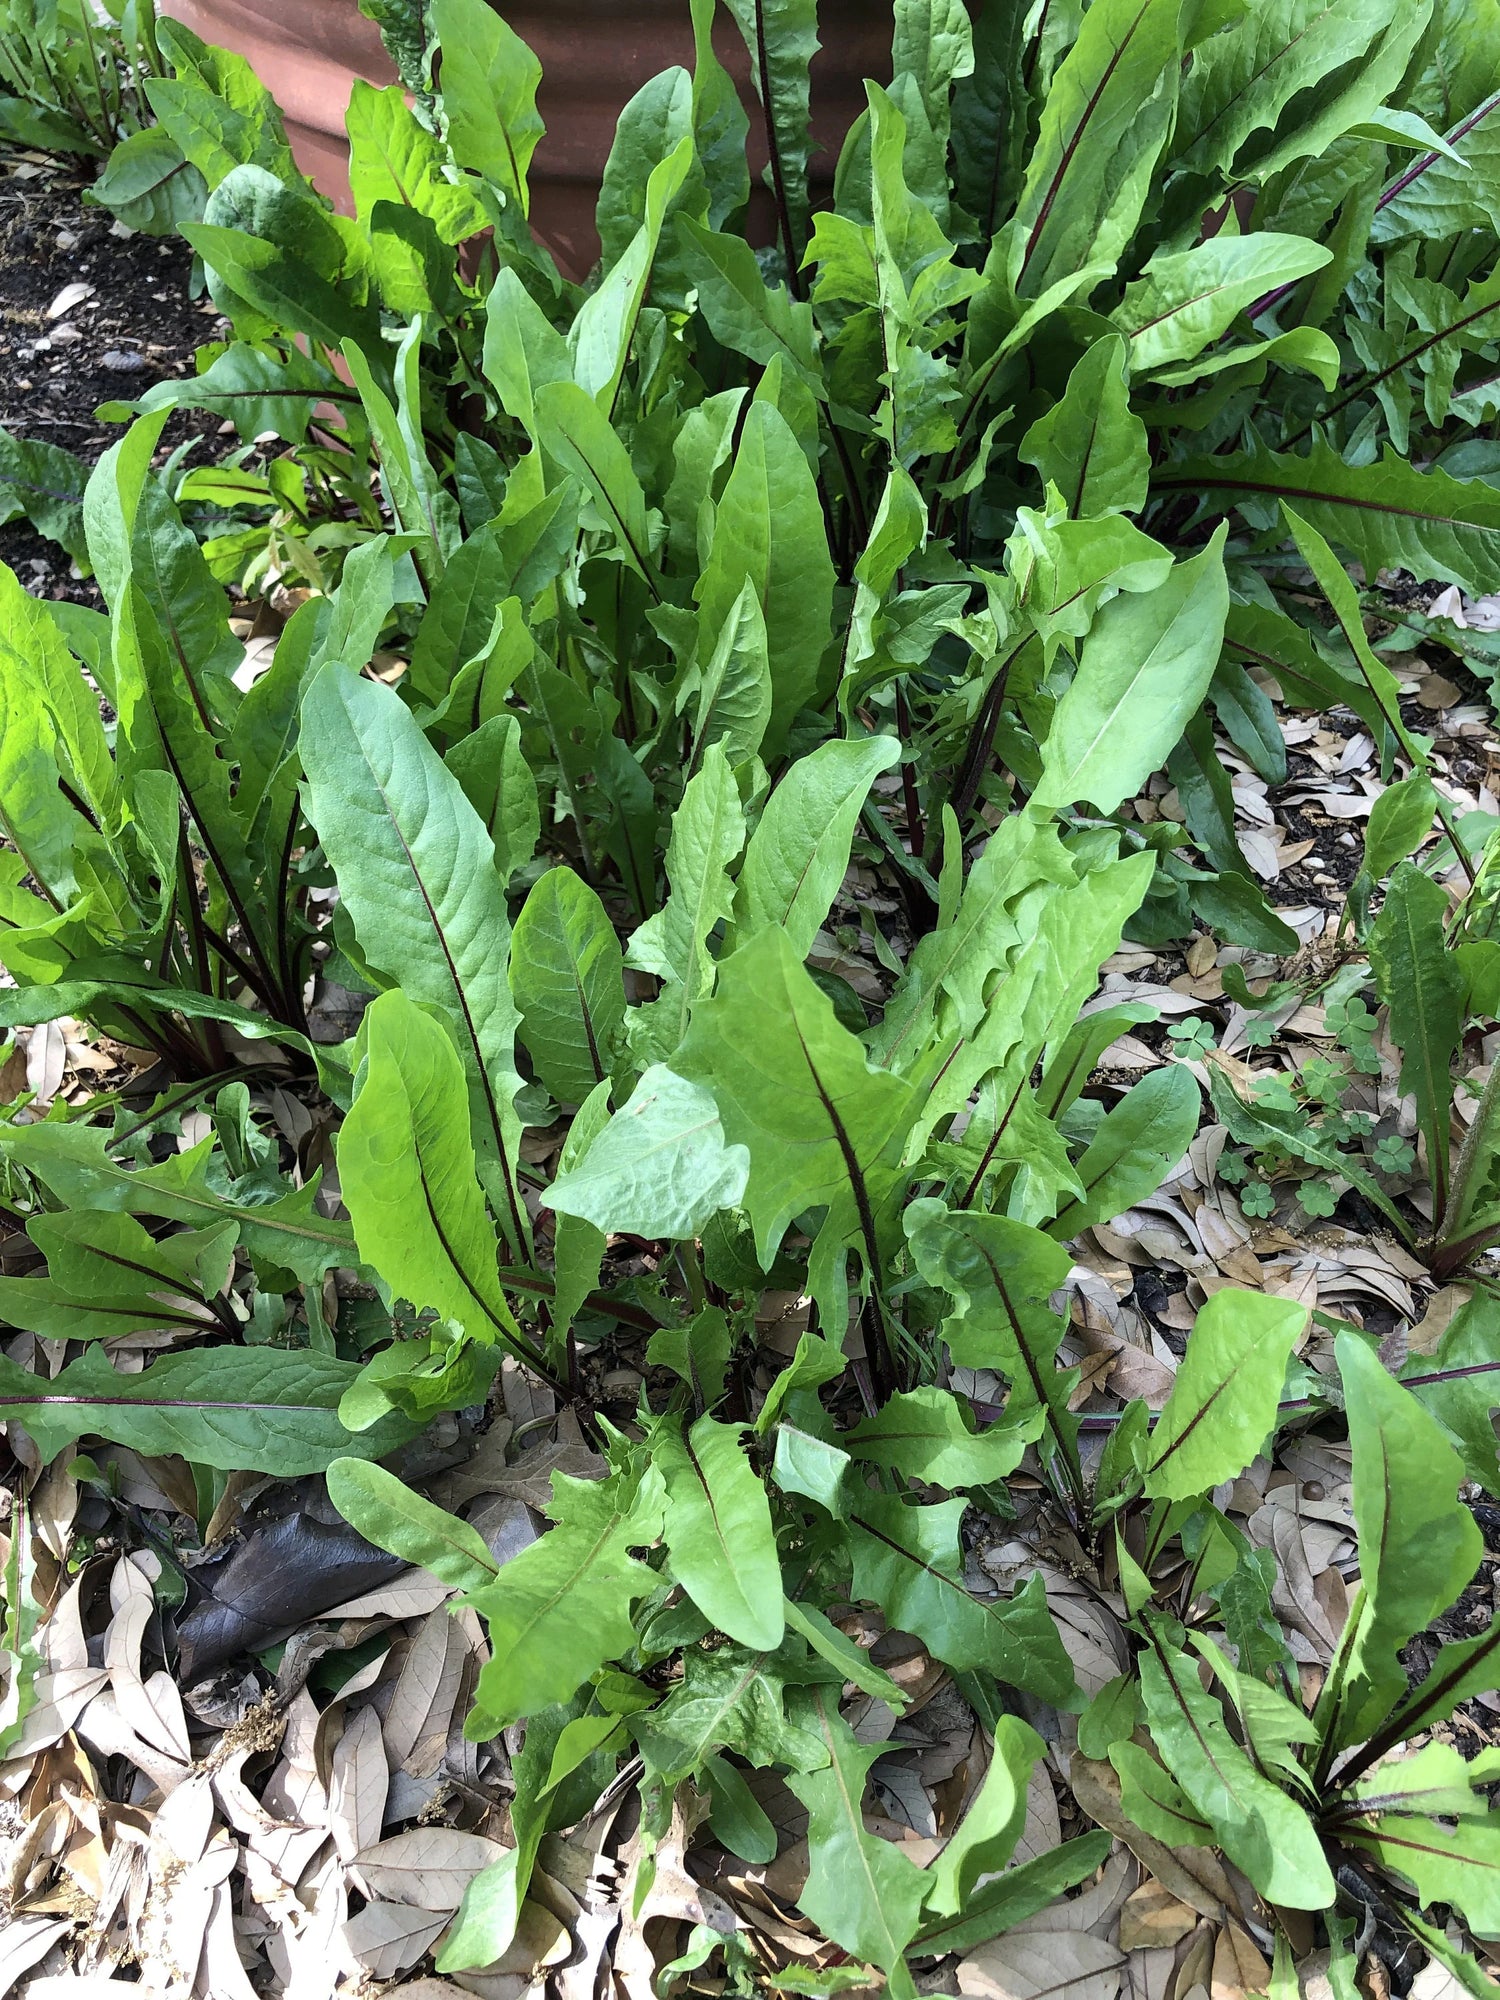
(622, 631)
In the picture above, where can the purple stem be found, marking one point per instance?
(1398, 186)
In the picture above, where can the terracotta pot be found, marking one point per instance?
(595, 55)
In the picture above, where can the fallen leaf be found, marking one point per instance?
(1153, 1918)
(430, 1866)
(77, 1986)
(1026, 1965)
(287, 1571)
(386, 1938)
(222, 1973)
(1436, 691)
(412, 1594)
(358, 1778)
(71, 295)
(1238, 1965)
(433, 1989)
(1427, 1334)
(426, 1686)
(1194, 1875)
(1096, 1906)
(24, 1941)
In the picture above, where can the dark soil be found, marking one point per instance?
(140, 324)
(1474, 1726)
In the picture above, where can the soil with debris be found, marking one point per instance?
(65, 349)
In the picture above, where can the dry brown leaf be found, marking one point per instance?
(1238, 1966)
(388, 1938)
(412, 1594)
(433, 1989)
(280, 1851)
(421, 1712)
(24, 1942)
(430, 1866)
(358, 1778)
(1424, 1337)
(914, 1812)
(586, 1974)
(526, 1397)
(1166, 997)
(177, 1919)
(1293, 1594)
(1042, 1832)
(151, 1709)
(295, 1791)
(221, 1974)
(1195, 1958)
(1437, 691)
(1192, 1874)
(1202, 955)
(307, 1950)
(180, 1831)
(60, 1699)
(673, 1895)
(541, 1943)
(1026, 1965)
(239, 1489)
(1090, 1622)
(1224, 1235)
(105, 1733)
(1324, 1506)
(1262, 850)
(1136, 1373)
(46, 1055)
(30, 1862)
(505, 1524)
(1153, 1918)
(530, 1478)
(85, 1857)
(1436, 1982)
(1129, 1053)
(1150, 1975)
(13, 1075)
(64, 1641)
(872, 1720)
(1096, 1906)
(77, 1986)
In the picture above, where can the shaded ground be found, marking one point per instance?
(61, 356)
